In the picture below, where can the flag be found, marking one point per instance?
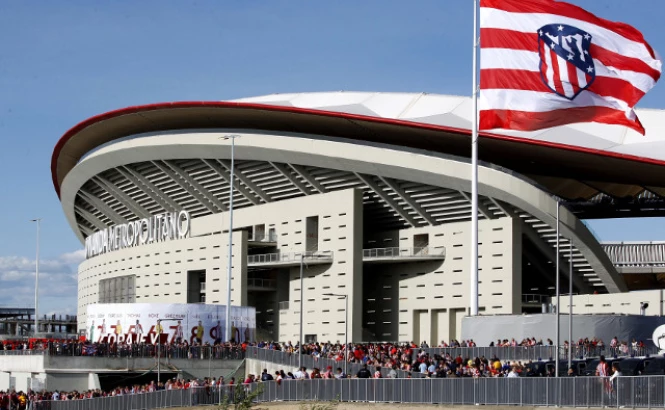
(545, 63)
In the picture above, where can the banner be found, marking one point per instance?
(191, 323)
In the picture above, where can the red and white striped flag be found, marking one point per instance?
(546, 63)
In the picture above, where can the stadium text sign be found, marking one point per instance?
(168, 226)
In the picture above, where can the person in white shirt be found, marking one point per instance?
(616, 373)
(179, 333)
(138, 332)
(513, 373)
(302, 372)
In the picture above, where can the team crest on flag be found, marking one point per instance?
(566, 64)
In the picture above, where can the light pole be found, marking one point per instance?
(570, 304)
(38, 221)
(302, 293)
(231, 137)
(346, 327)
(159, 346)
(558, 295)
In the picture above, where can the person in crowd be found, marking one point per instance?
(363, 373)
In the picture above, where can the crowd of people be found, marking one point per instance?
(377, 360)
(31, 400)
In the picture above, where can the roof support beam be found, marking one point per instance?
(309, 178)
(481, 206)
(129, 202)
(101, 206)
(249, 184)
(90, 218)
(150, 189)
(545, 248)
(287, 174)
(367, 179)
(226, 176)
(184, 185)
(202, 190)
(392, 184)
(502, 208)
(86, 231)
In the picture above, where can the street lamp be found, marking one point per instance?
(231, 137)
(159, 346)
(346, 327)
(302, 293)
(38, 221)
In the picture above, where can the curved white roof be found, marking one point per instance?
(455, 111)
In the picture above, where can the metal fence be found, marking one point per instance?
(396, 252)
(292, 360)
(134, 351)
(198, 396)
(536, 353)
(286, 257)
(634, 392)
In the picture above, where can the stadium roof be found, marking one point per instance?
(600, 170)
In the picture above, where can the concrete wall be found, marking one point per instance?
(161, 268)
(425, 301)
(80, 373)
(616, 303)
(485, 329)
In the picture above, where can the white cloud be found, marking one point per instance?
(75, 257)
(57, 282)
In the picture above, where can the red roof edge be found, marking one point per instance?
(308, 111)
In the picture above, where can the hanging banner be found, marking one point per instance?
(179, 323)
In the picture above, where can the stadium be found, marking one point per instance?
(370, 194)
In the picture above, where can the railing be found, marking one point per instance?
(134, 351)
(396, 252)
(537, 353)
(289, 257)
(636, 254)
(23, 352)
(630, 392)
(292, 360)
(535, 298)
(262, 283)
(264, 238)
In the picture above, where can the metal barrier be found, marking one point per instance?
(290, 257)
(135, 351)
(22, 352)
(396, 252)
(292, 360)
(536, 353)
(634, 392)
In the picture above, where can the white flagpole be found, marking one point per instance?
(473, 295)
(558, 294)
(570, 304)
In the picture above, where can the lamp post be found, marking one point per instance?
(558, 295)
(38, 221)
(302, 293)
(231, 137)
(570, 305)
(159, 346)
(346, 327)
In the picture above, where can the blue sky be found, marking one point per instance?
(62, 62)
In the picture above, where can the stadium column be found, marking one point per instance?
(356, 293)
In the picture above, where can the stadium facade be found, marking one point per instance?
(370, 193)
